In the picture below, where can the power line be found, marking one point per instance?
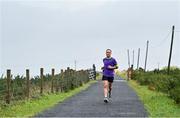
(162, 41)
(176, 30)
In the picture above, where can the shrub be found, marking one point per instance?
(175, 91)
(169, 84)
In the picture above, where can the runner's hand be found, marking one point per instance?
(111, 67)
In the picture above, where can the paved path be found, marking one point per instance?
(89, 103)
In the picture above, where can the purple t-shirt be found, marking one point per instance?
(109, 61)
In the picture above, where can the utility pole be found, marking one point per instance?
(128, 58)
(158, 66)
(146, 56)
(170, 54)
(75, 62)
(133, 59)
(138, 58)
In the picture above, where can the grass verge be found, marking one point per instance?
(31, 107)
(156, 103)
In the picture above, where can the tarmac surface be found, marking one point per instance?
(89, 103)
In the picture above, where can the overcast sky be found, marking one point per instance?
(54, 33)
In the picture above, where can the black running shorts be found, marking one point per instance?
(110, 79)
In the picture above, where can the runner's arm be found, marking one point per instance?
(113, 67)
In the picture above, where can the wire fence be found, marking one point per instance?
(17, 88)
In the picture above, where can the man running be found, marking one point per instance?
(110, 65)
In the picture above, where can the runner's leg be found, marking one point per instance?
(110, 89)
(105, 83)
(110, 86)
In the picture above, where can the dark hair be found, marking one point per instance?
(109, 50)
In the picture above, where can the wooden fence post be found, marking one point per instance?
(68, 78)
(57, 83)
(8, 96)
(27, 83)
(52, 81)
(42, 82)
(61, 80)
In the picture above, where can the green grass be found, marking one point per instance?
(32, 107)
(156, 103)
(122, 74)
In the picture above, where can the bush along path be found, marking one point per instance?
(158, 90)
(89, 103)
(159, 80)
